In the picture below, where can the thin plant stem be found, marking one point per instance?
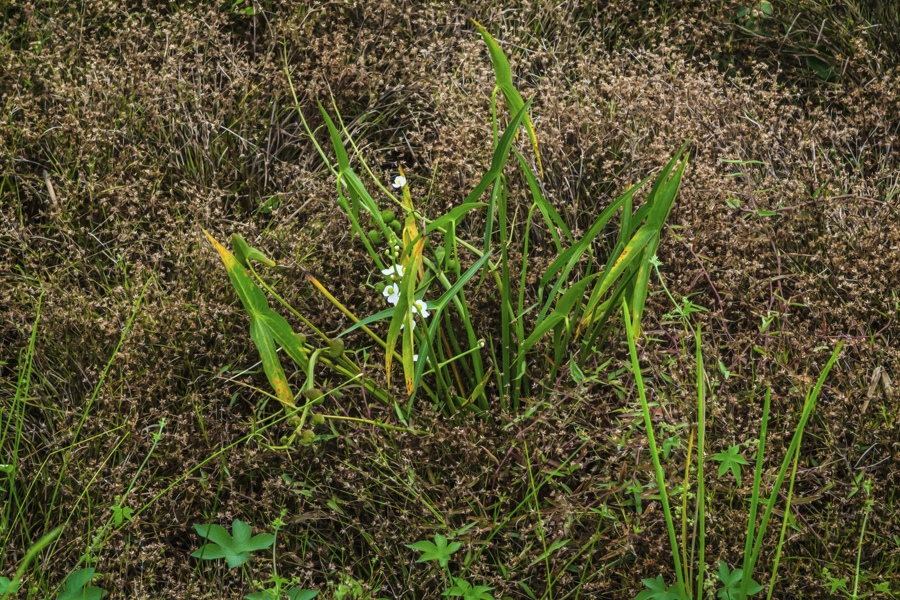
(862, 534)
(687, 473)
(654, 452)
(754, 502)
(784, 522)
(701, 452)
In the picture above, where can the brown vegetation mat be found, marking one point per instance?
(126, 127)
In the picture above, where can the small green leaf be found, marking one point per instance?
(732, 582)
(822, 68)
(234, 549)
(731, 459)
(439, 550)
(298, 594)
(463, 589)
(657, 590)
(836, 585)
(77, 587)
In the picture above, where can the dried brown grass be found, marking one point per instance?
(154, 122)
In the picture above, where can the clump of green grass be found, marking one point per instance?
(575, 310)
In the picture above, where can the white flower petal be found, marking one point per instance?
(399, 181)
(395, 271)
(420, 308)
(390, 290)
(394, 299)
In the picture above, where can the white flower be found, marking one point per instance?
(420, 308)
(399, 181)
(395, 271)
(415, 357)
(402, 325)
(392, 293)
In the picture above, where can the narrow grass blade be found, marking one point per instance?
(754, 501)
(795, 444)
(503, 74)
(784, 522)
(654, 453)
(551, 217)
(565, 262)
(701, 453)
(501, 153)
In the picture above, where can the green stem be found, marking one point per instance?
(784, 522)
(701, 452)
(747, 573)
(654, 453)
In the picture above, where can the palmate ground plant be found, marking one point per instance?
(424, 280)
(738, 584)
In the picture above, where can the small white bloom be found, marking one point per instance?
(402, 325)
(399, 181)
(420, 308)
(415, 357)
(392, 293)
(395, 271)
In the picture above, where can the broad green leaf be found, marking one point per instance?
(564, 263)
(234, 549)
(336, 141)
(503, 74)
(402, 316)
(560, 311)
(243, 252)
(629, 253)
(298, 594)
(454, 216)
(257, 307)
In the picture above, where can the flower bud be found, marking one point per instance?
(314, 395)
(317, 419)
(396, 226)
(376, 237)
(336, 348)
(306, 438)
(388, 216)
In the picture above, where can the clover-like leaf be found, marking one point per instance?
(657, 590)
(6, 586)
(77, 587)
(463, 589)
(437, 550)
(235, 550)
(731, 459)
(732, 582)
